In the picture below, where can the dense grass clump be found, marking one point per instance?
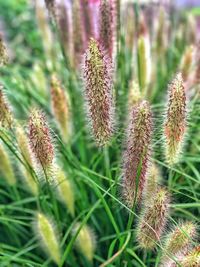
(117, 184)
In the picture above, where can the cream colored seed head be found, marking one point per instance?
(187, 61)
(192, 259)
(6, 167)
(134, 95)
(61, 108)
(144, 62)
(23, 144)
(178, 241)
(152, 183)
(6, 118)
(48, 236)
(85, 241)
(65, 190)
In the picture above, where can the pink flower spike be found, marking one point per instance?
(99, 92)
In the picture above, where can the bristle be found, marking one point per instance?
(153, 220)
(46, 232)
(136, 154)
(61, 108)
(85, 241)
(178, 241)
(40, 139)
(65, 190)
(99, 92)
(6, 118)
(175, 121)
(6, 168)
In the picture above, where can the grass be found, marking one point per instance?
(94, 172)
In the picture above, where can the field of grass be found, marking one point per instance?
(92, 221)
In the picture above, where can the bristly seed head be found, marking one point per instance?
(175, 122)
(85, 241)
(178, 241)
(152, 183)
(6, 168)
(61, 108)
(6, 119)
(45, 230)
(40, 139)
(192, 259)
(65, 190)
(136, 154)
(24, 148)
(187, 61)
(99, 92)
(153, 220)
(134, 96)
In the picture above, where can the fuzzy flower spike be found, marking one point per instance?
(175, 122)
(85, 241)
(153, 181)
(6, 168)
(46, 232)
(99, 92)
(61, 108)
(192, 259)
(152, 221)
(6, 119)
(40, 140)
(65, 190)
(178, 241)
(24, 148)
(134, 96)
(136, 154)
